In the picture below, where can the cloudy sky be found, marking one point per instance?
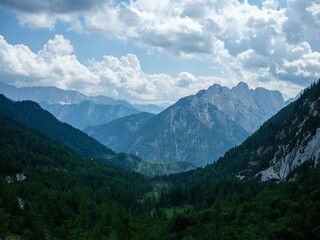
(158, 51)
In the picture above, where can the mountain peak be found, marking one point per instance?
(215, 86)
(242, 85)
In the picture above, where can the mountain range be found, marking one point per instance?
(54, 95)
(198, 128)
(74, 107)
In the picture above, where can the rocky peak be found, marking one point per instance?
(241, 86)
(248, 107)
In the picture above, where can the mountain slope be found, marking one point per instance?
(115, 133)
(87, 113)
(266, 188)
(282, 144)
(190, 130)
(150, 108)
(47, 191)
(31, 114)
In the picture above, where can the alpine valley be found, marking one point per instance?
(261, 179)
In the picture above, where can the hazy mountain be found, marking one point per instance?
(87, 113)
(150, 108)
(115, 133)
(31, 114)
(109, 101)
(54, 95)
(202, 127)
(290, 100)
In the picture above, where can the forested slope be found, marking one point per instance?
(48, 190)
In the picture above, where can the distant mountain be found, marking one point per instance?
(290, 100)
(150, 108)
(54, 95)
(32, 115)
(115, 133)
(200, 128)
(87, 113)
(109, 101)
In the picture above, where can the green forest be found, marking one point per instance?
(50, 191)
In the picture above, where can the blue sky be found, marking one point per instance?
(96, 44)
(159, 51)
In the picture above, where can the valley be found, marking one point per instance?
(159, 120)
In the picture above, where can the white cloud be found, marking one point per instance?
(125, 77)
(307, 65)
(271, 4)
(314, 9)
(267, 45)
(54, 65)
(41, 20)
(250, 59)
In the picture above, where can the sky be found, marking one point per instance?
(147, 51)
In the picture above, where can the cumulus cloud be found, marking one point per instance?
(314, 9)
(260, 45)
(55, 65)
(250, 59)
(271, 4)
(307, 65)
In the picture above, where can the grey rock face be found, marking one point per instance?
(285, 160)
(249, 108)
(285, 142)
